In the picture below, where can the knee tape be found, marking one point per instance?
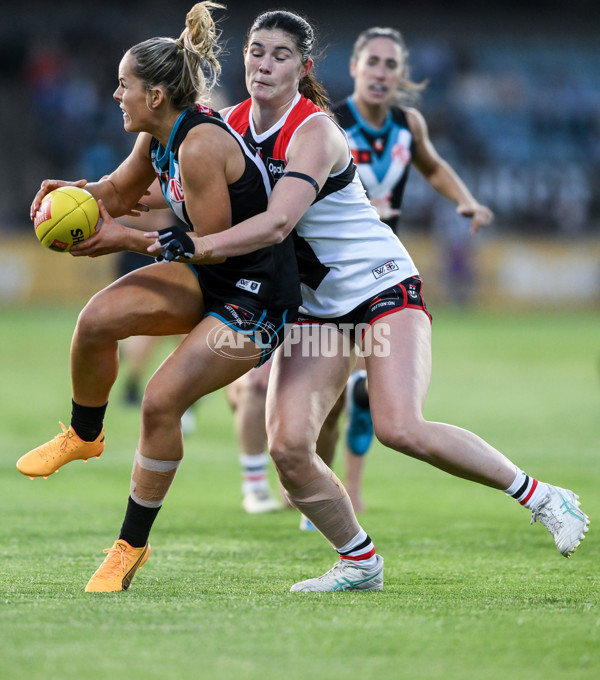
(327, 505)
(151, 480)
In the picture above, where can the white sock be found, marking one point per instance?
(359, 550)
(254, 472)
(526, 490)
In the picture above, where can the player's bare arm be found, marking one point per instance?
(121, 191)
(123, 188)
(442, 177)
(205, 184)
(318, 149)
(154, 199)
(115, 194)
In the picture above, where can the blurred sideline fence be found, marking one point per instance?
(498, 271)
(512, 103)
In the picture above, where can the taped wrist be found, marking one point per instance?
(176, 243)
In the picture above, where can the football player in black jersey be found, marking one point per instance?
(234, 312)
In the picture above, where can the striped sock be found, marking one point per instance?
(526, 490)
(360, 550)
(254, 472)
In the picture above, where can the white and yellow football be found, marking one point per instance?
(66, 216)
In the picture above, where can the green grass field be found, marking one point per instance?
(471, 590)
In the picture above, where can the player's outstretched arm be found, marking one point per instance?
(121, 191)
(442, 177)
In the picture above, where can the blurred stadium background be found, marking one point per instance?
(513, 102)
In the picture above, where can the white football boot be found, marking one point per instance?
(259, 501)
(344, 575)
(559, 512)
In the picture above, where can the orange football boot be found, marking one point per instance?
(64, 448)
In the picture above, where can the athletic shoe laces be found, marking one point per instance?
(116, 562)
(67, 435)
(554, 515)
(61, 440)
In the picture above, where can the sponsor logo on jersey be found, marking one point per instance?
(175, 191)
(382, 304)
(250, 286)
(385, 269)
(276, 167)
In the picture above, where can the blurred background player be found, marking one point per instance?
(247, 396)
(247, 401)
(386, 136)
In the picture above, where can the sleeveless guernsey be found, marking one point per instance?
(346, 255)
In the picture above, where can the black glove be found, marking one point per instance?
(176, 243)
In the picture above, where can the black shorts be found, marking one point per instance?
(404, 295)
(245, 322)
(264, 328)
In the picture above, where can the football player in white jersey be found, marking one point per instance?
(360, 284)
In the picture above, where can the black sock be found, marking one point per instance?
(87, 421)
(137, 524)
(360, 394)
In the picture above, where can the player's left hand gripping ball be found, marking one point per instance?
(66, 216)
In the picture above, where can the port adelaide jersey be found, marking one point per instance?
(269, 276)
(384, 155)
(346, 255)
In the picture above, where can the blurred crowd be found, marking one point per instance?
(518, 116)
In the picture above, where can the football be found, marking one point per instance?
(66, 216)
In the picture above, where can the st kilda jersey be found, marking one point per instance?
(384, 155)
(346, 255)
(267, 277)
